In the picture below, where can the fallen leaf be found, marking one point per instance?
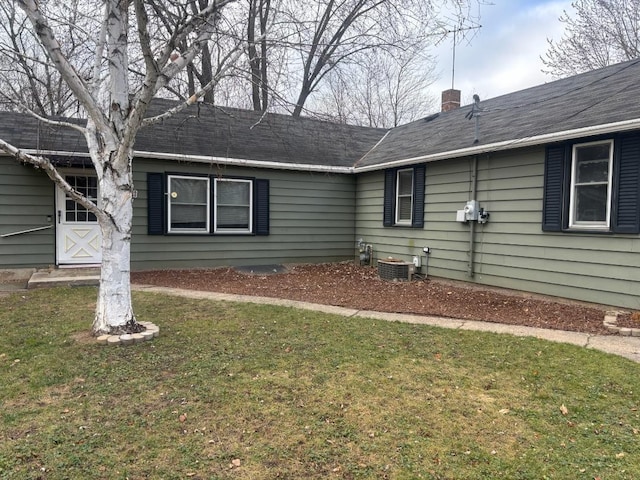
(504, 411)
(183, 417)
(563, 409)
(235, 462)
(620, 455)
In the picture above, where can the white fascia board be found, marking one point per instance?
(622, 126)
(240, 162)
(44, 153)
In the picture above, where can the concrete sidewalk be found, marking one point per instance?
(628, 347)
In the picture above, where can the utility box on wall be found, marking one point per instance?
(395, 270)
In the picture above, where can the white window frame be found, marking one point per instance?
(216, 228)
(206, 228)
(398, 220)
(600, 225)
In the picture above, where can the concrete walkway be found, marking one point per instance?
(628, 347)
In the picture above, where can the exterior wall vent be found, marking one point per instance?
(395, 270)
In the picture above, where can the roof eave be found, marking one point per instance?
(604, 129)
(240, 162)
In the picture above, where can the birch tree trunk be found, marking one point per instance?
(115, 114)
(114, 309)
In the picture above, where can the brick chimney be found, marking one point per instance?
(450, 99)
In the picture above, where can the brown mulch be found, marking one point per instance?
(350, 285)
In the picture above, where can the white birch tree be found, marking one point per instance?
(115, 112)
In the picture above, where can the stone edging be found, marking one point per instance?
(151, 332)
(611, 323)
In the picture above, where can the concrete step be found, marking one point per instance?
(65, 277)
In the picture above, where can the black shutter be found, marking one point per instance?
(418, 196)
(389, 198)
(554, 175)
(155, 204)
(626, 198)
(261, 206)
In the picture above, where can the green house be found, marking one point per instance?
(538, 190)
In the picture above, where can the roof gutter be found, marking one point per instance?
(509, 144)
(240, 162)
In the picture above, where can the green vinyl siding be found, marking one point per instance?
(312, 217)
(26, 202)
(511, 250)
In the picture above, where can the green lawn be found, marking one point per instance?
(240, 391)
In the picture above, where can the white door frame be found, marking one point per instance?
(78, 236)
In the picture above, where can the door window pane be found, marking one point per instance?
(86, 185)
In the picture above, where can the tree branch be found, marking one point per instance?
(46, 165)
(51, 45)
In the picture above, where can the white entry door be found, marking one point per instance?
(78, 238)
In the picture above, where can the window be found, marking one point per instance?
(591, 185)
(188, 210)
(233, 206)
(86, 185)
(404, 197)
(192, 204)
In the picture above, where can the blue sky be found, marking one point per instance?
(504, 55)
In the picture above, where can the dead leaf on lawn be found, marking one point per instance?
(563, 409)
(183, 417)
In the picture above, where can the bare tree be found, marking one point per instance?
(259, 11)
(597, 34)
(383, 92)
(115, 113)
(296, 48)
(25, 70)
(334, 33)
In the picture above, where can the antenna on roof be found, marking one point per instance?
(455, 32)
(475, 112)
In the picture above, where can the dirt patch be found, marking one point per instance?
(84, 337)
(350, 285)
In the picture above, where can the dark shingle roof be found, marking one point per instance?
(204, 130)
(232, 133)
(599, 97)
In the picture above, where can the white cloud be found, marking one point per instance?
(505, 54)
